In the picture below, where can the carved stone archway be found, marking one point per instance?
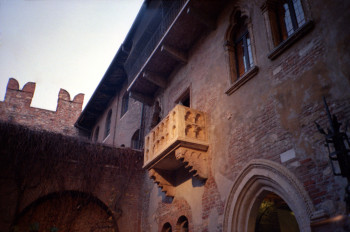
(257, 178)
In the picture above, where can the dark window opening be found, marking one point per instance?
(285, 17)
(185, 99)
(156, 114)
(182, 224)
(242, 46)
(108, 123)
(135, 140)
(166, 227)
(125, 104)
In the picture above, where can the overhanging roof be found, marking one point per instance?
(111, 82)
(157, 47)
(178, 33)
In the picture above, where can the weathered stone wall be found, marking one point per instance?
(16, 109)
(270, 117)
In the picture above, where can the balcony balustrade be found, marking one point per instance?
(178, 142)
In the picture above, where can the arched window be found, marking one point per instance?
(239, 47)
(125, 104)
(108, 123)
(166, 227)
(97, 131)
(135, 140)
(242, 45)
(182, 224)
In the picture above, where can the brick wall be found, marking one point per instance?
(270, 115)
(16, 109)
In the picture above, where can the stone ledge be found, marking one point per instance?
(242, 80)
(299, 33)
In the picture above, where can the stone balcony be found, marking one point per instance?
(177, 145)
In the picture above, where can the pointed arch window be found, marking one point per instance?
(135, 140)
(166, 227)
(239, 46)
(243, 48)
(182, 224)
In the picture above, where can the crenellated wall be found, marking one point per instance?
(16, 109)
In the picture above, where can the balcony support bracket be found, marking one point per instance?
(177, 149)
(155, 79)
(141, 97)
(165, 185)
(176, 54)
(202, 17)
(194, 160)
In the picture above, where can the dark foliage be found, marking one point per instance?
(32, 160)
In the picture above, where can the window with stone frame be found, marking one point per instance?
(286, 22)
(135, 140)
(125, 104)
(286, 17)
(108, 123)
(243, 48)
(239, 47)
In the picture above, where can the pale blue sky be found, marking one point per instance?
(65, 44)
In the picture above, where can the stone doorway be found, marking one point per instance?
(259, 182)
(274, 215)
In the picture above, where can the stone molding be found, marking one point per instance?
(165, 185)
(258, 177)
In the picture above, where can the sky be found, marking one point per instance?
(65, 44)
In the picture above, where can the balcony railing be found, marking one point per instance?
(178, 143)
(183, 126)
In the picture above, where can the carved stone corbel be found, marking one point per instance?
(195, 160)
(166, 187)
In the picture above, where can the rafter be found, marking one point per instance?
(202, 17)
(155, 78)
(141, 97)
(175, 53)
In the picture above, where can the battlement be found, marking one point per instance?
(16, 108)
(17, 96)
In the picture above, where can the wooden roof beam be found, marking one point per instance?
(175, 53)
(155, 78)
(202, 17)
(141, 97)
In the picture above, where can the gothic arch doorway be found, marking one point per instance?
(261, 180)
(274, 215)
